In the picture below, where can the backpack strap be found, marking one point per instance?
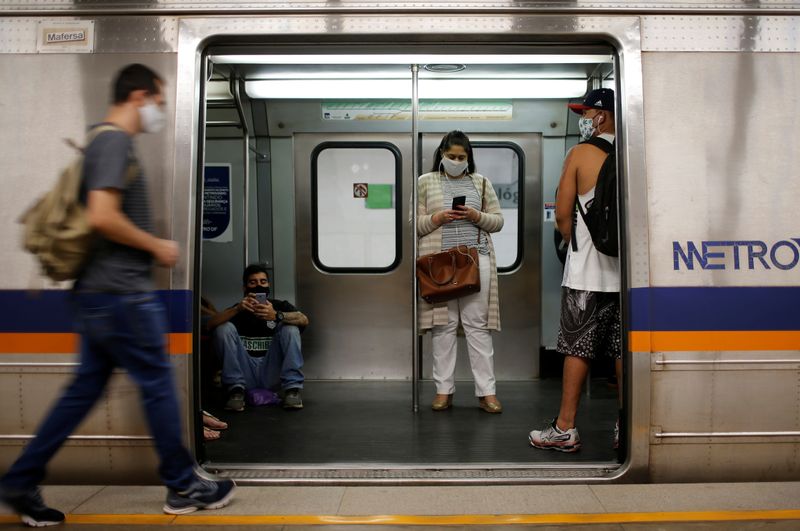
(133, 169)
(601, 143)
(574, 229)
(91, 135)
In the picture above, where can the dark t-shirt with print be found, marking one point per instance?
(256, 333)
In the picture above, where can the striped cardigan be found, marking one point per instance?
(429, 202)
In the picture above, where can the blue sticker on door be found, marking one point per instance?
(217, 203)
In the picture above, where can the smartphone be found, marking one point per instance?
(261, 297)
(459, 200)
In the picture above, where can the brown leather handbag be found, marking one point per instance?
(448, 275)
(452, 273)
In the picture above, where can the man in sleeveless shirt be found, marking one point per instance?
(590, 319)
(121, 321)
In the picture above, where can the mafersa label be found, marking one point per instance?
(65, 36)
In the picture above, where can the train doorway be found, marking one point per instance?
(325, 204)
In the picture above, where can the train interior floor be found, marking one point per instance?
(372, 422)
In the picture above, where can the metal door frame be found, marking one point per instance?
(512, 27)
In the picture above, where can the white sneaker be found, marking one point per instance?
(552, 438)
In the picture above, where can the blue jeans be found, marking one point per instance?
(281, 367)
(117, 330)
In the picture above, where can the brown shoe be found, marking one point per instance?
(490, 404)
(442, 402)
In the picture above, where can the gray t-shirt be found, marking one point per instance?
(113, 267)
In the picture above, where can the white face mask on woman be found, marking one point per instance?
(152, 117)
(454, 168)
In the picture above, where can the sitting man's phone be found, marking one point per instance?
(459, 200)
(261, 297)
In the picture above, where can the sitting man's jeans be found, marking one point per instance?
(281, 367)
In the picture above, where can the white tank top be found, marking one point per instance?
(587, 268)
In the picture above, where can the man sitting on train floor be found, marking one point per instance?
(258, 343)
(590, 319)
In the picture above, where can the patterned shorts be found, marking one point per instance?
(590, 324)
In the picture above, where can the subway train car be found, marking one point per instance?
(296, 133)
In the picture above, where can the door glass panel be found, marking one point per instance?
(503, 161)
(356, 189)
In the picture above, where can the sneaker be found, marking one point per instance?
(292, 399)
(616, 435)
(203, 494)
(235, 400)
(552, 438)
(30, 507)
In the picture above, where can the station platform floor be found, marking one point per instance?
(668, 507)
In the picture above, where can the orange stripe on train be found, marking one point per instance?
(640, 341)
(41, 343)
(705, 340)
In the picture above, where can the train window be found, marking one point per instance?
(355, 199)
(503, 163)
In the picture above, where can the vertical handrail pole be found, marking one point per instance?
(237, 98)
(415, 363)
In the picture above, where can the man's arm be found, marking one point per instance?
(104, 213)
(291, 315)
(567, 191)
(295, 318)
(224, 316)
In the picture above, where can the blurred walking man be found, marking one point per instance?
(121, 321)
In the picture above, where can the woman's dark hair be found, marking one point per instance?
(134, 77)
(454, 138)
(252, 269)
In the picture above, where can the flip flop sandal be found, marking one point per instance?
(210, 435)
(213, 422)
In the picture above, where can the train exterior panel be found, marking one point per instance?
(707, 127)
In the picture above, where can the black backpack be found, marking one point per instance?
(600, 215)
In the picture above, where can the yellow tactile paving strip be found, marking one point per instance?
(463, 520)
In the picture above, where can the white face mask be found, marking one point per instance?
(586, 127)
(454, 168)
(152, 117)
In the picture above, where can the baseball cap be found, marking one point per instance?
(602, 99)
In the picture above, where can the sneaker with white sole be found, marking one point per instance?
(550, 437)
(203, 494)
(31, 508)
(292, 399)
(235, 399)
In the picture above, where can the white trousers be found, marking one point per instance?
(474, 312)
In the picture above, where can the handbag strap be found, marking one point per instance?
(452, 269)
(483, 205)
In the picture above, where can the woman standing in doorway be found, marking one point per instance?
(440, 227)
